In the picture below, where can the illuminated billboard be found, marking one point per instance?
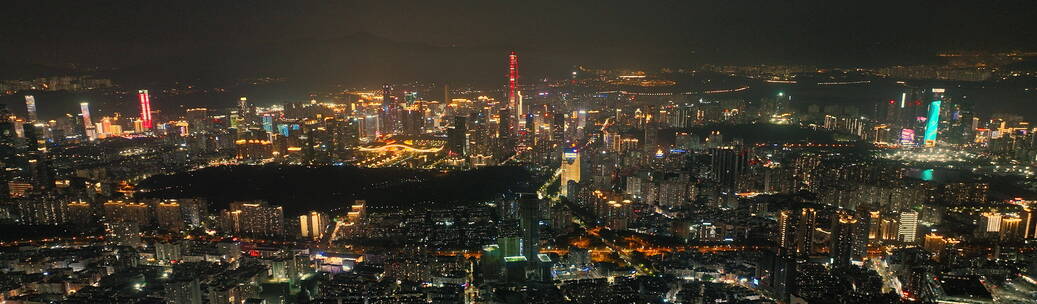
(907, 137)
(570, 154)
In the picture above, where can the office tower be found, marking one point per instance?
(457, 136)
(312, 225)
(89, 130)
(908, 226)
(570, 169)
(30, 107)
(145, 108)
(513, 97)
(529, 218)
(520, 114)
(389, 111)
(932, 123)
(198, 120)
(491, 263)
(504, 123)
(729, 163)
(169, 216)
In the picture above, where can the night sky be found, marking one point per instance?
(123, 33)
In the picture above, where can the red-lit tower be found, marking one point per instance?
(145, 108)
(514, 104)
(512, 80)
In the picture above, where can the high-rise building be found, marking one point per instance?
(30, 107)
(183, 290)
(729, 163)
(805, 226)
(932, 123)
(990, 222)
(908, 226)
(845, 239)
(1029, 222)
(785, 221)
(145, 108)
(120, 211)
(457, 136)
(513, 96)
(796, 230)
(570, 169)
(169, 216)
(80, 213)
(90, 131)
(388, 116)
(529, 219)
(257, 219)
(312, 225)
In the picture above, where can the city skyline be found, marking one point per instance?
(518, 152)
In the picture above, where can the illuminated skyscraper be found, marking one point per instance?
(514, 99)
(785, 221)
(389, 115)
(259, 219)
(1029, 222)
(312, 225)
(845, 239)
(804, 237)
(932, 123)
(908, 226)
(570, 169)
(796, 230)
(89, 129)
(145, 108)
(30, 106)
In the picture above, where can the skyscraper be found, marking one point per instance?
(529, 219)
(88, 126)
(145, 108)
(514, 102)
(312, 225)
(805, 226)
(570, 169)
(844, 239)
(388, 117)
(908, 226)
(728, 164)
(169, 216)
(30, 107)
(260, 219)
(457, 136)
(932, 123)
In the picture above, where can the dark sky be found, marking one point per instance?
(121, 33)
